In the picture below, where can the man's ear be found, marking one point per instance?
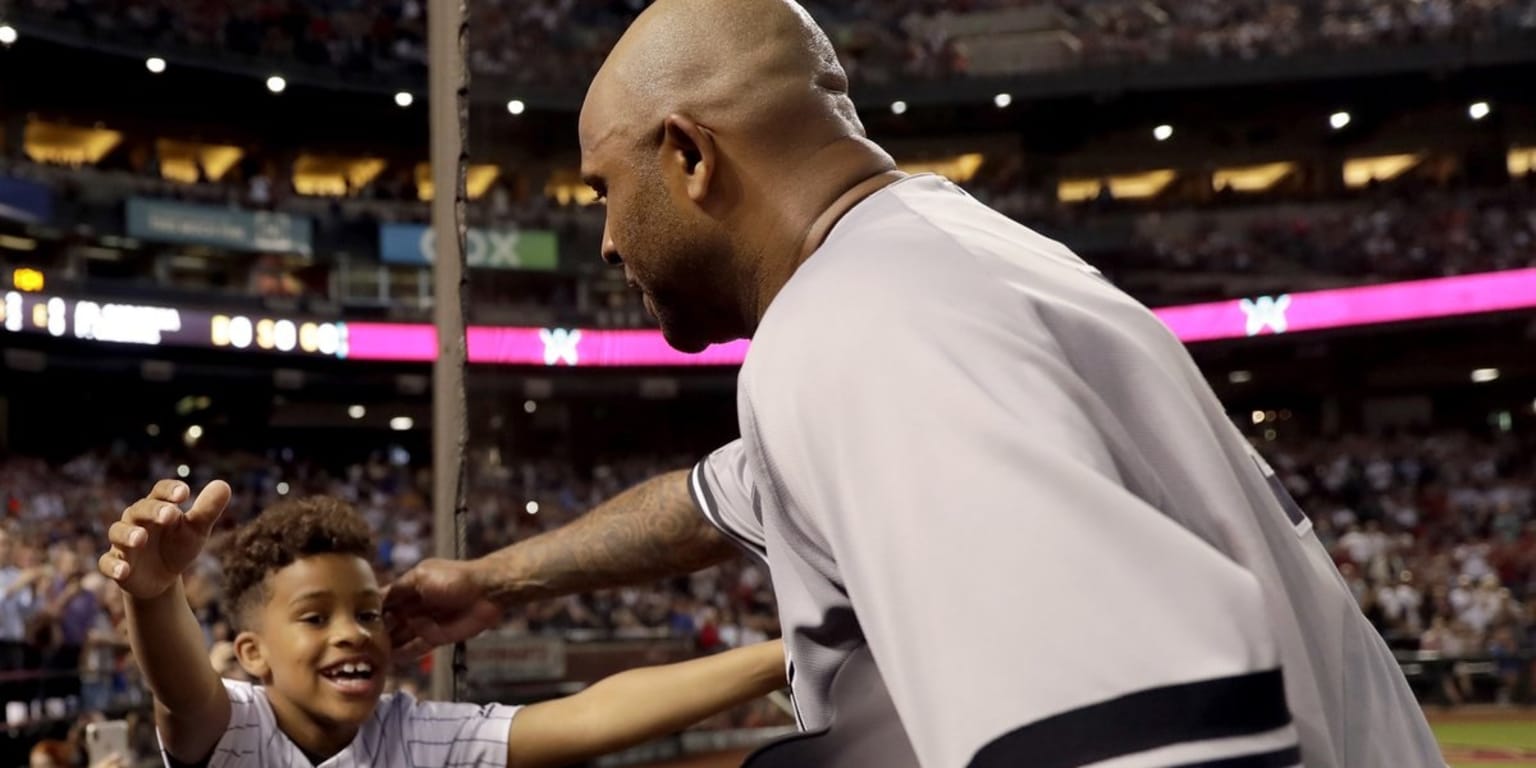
(688, 152)
(251, 655)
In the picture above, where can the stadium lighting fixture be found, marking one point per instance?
(276, 84)
(1258, 417)
(1479, 110)
(1002, 100)
(1485, 375)
(152, 430)
(516, 106)
(282, 489)
(195, 432)
(1339, 120)
(183, 471)
(155, 64)
(7, 34)
(898, 107)
(533, 507)
(401, 423)
(530, 407)
(1240, 377)
(404, 99)
(1162, 132)
(357, 412)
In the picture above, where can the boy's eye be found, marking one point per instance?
(370, 617)
(313, 619)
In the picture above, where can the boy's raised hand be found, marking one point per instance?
(155, 541)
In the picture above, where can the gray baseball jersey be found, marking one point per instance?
(964, 448)
(403, 733)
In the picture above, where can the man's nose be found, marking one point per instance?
(610, 252)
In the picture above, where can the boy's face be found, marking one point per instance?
(320, 645)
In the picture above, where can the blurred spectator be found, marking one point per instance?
(52, 754)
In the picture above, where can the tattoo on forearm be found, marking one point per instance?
(651, 531)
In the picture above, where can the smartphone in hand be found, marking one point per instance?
(104, 740)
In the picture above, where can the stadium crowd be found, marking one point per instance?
(1417, 233)
(1436, 535)
(562, 42)
(1435, 532)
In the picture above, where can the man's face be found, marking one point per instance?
(671, 251)
(321, 647)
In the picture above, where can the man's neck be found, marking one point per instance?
(856, 172)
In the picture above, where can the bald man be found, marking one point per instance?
(1007, 520)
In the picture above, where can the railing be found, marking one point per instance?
(1450, 680)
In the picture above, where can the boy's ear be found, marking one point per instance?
(251, 655)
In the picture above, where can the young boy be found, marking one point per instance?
(300, 586)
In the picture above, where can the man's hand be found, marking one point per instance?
(437, 603)
(155, 541)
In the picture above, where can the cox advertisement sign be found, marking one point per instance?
(415, 244)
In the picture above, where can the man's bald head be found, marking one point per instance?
(720, 132)
(751, 68)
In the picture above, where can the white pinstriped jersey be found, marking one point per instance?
(965, 450)
(403, 733)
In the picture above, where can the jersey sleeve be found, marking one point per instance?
(1022, 606)
(459, 735)
(723, 489)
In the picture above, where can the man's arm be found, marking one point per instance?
(633, 707)
(648, 532)
(153, 544)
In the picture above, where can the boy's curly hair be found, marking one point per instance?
(282, 534)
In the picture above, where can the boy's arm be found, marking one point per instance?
(641, 704)
(151, 546)
(191, 705)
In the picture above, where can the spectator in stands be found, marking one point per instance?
(72, 611)
(1504, 648)
(18, 601)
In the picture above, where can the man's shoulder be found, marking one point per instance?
(871, 282)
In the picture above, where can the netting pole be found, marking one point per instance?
(448, 101)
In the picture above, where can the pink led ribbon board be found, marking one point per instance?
(1237, 319)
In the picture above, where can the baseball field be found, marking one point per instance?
(1484, 738)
